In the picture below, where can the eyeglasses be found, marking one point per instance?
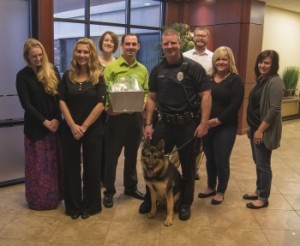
(200, 35)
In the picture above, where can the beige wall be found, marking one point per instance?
(282, 33)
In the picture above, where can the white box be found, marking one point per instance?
(127, 101)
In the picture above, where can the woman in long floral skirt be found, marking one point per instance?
(37, 90)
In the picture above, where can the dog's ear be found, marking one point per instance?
(161, 145)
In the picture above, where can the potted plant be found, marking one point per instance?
(185, 33)
(290, 78)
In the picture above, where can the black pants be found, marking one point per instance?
(82, 187)
(124, 130)
(177, 135)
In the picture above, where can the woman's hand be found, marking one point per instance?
(77, 131)
(258, 137)
(52, 125)
(214, 122)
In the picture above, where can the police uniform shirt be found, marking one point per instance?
(178, 85)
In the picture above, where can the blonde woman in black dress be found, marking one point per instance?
(37, 89)
(82, 99)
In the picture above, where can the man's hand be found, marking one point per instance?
(148, 131)
(201, 130)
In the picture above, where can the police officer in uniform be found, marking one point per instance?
(179, 88)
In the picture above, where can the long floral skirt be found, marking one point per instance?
(43, 175)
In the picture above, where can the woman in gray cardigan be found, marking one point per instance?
(264, 120)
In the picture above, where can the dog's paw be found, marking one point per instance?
(168, 221)
(151, 215)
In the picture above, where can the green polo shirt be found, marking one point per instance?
(120, 68)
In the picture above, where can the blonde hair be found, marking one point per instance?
(223, 51)
(171, 32)
(46, 74)
(94, 68)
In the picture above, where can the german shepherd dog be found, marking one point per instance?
(162, 178)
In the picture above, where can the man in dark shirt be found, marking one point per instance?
(178, 86)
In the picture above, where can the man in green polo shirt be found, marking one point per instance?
(124, 129)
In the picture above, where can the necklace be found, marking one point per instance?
(218, 78)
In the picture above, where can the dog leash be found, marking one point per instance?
(177, 149)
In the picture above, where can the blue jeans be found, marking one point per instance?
(217, 146)
(262, 159)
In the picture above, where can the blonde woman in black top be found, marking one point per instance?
(37, 86)
(227, 91)
(82, 100)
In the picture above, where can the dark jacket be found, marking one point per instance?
(38, 105)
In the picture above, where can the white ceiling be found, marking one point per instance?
(292, 5)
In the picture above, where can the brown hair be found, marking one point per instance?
(114, 38)
(274, 62)
(130, 34)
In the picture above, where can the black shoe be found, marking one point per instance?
(134, 193)
(252, 206)
(204, 195)
(216, 202)
(145, 207)
(108, 200)
(74, 216)
(85, 215)
(184, 213)
(249, 197)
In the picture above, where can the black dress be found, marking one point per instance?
(82, 186)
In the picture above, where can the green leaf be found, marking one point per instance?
(290, 77)
(185, 33)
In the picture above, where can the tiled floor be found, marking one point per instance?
(230, 223)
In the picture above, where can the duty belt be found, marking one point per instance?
(179, 119)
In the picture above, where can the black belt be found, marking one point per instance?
(177, 119)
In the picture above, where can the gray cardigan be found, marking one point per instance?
(270, 111)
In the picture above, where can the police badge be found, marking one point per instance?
(180, 76)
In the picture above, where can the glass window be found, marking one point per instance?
(108, 11)
(107, 15)
(145, 13)
(150, 51)
(65, 36)
(69, 9)
(13, 35)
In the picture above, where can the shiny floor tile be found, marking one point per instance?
(228, 224)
